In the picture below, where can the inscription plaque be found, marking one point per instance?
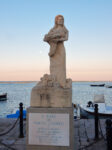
(48, 129)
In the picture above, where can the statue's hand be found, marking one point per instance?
(51, 54)
(46, 38)
(52, 37)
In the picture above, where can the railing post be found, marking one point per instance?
(109, 134)
(96, 121)
(21, 120)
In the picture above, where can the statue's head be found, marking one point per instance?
(59, 20)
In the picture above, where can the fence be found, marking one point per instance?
(20, 120)
(100, 135)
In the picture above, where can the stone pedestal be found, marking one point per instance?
(51, 97)
(50, 128)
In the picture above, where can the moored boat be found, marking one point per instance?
(17, 114)
(3, 97)
(98, 85)
(104, 111)
(108, 86)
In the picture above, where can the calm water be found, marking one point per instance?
(82, 93)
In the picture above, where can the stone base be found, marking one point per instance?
(51, 97)
(50, 129)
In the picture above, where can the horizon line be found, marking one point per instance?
(28, 81)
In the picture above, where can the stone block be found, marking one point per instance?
(52, 129)
(51, 97)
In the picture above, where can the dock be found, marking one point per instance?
(84, 135)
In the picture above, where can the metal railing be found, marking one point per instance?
(20, 119)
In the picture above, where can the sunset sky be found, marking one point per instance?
(23, 24)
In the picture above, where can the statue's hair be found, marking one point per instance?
(56, 18)
(56, 25)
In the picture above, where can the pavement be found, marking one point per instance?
(11, 140)
(83, 135)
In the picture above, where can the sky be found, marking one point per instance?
(24, 54)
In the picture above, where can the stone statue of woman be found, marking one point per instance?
(54, 90)
(56, 37)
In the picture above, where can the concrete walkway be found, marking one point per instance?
(11, 140)
(83, 135)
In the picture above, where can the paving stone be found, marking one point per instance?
(12, 140)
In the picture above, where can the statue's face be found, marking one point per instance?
(60, 21)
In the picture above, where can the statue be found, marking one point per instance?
(50, 116)
(54, 90)
(55, 38)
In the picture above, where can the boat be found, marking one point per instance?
(108, 86)
(97, 85)
(3, 97)
(104, 111)
(16, 114)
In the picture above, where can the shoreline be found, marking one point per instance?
(20, 82)
(16, 82)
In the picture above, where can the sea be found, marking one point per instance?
(18, 92)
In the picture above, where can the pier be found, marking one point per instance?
(84, 135)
